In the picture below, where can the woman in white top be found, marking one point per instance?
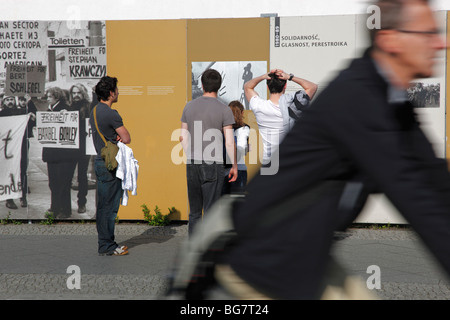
(241, 133)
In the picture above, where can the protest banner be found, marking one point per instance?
(12, 130)
(22, 43)
(86, 63)
(58, 129)
(22, 80)
(90, 148)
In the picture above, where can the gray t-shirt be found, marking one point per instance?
(205, 118)
(108, 121)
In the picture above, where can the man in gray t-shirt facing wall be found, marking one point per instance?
(204, 124)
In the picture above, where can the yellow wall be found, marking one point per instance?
(147, 54)
(158, 53)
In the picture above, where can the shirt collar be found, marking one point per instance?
(54, 106)
(395, 95)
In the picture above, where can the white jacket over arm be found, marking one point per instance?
(127, 171)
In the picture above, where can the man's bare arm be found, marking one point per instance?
(230, 148)
(123, 135)
(309, 87)
(184, 136)
(249, 86)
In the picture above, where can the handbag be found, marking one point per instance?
(109, 151)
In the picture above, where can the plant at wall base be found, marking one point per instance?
(172, 211)
(50, 219)
(157, 219)
(8, 220)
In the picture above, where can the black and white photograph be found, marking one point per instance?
(234, 75)
(47, 74)
(425, 95)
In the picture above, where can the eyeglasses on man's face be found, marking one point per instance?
(429, 33)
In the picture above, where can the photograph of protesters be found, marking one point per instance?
(79, 101)
(61, 163)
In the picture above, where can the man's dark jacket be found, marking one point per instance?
(350, 133)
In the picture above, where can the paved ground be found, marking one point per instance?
(35, 259)
(408, 271)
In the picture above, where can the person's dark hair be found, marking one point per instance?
(104, 87)
(275, 84)
(211, 80)
(57, 93)
(391, 15)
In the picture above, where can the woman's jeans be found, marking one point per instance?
(109, 194)
(204, 182)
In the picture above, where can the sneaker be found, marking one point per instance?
(81, 209)
(119, 251)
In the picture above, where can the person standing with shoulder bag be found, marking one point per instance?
(109, 188)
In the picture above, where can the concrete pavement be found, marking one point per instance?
(408, 271)
(35, 259)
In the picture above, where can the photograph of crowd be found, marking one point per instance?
(47, 93)
(425, 95)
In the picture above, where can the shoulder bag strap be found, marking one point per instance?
(96, 125)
